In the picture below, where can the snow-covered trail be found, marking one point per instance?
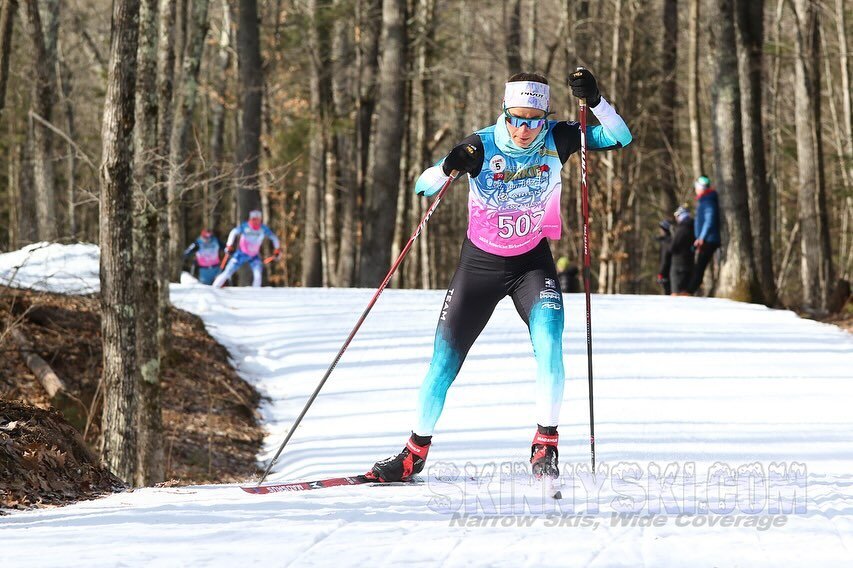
(689, 384)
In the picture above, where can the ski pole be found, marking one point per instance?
(453, 175)
(269, 259)
(586, 271)
(224, 261)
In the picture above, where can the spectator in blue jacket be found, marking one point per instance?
(707, 229)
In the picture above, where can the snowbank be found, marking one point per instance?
(53, 267)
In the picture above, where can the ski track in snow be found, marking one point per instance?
(679, 381)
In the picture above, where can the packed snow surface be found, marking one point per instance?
(722, 437)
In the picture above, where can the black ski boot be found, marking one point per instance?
(405, 464)
(543, 452)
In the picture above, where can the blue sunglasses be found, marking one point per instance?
(518, 121)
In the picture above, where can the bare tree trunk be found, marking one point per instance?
(385, 173)
(421, 103)
(165, 82)
(116, 224)
(669, 59)
(312, 266)
(607, 256)
(750, 37)
(26, 212)
(737, 280)
(532, 61)
(187, 95)
(341, 161)
(7, 19)
(847, 106)
(345, 187)
(693, 89)
(251, 83)
(14, 196)
(66, 88)
(217, 118)
(813, 256)
(512, 35)
(150, 467)
(367, 64)
(44, 90)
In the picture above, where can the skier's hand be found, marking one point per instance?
(584, 86)
(660, 279)
(229, 250)
(276, 253)
(462, 158)
(698, 243)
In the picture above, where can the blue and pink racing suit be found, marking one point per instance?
(513, 207)
(207, 257)
(248, 250)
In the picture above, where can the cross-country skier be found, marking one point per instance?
(252, 235)
(206, 248)
(513, 207)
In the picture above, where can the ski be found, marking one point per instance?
(320, 484)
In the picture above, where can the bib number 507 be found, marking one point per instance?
(520, 226)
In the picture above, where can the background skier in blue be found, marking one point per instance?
(206, 248)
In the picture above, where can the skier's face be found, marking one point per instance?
(522, 136)
(255, 223)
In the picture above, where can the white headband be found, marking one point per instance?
(527, 94)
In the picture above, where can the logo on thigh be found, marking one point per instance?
(446, 307)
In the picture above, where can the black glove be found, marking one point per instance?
(584, 86)
(464, 158)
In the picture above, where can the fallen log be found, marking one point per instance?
(45, 375)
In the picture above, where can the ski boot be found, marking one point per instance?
(543, 453)
(405, 464)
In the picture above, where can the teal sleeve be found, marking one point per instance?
(611, 133)
(431, 181)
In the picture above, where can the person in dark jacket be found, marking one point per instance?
(568, 276)
(707, 229)
(665, 242)
(682, 253)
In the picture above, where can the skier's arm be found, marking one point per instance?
(273, 238)
(467, 156)
(232, 238)
(611, 133)
(191, 249)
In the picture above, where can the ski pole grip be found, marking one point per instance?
(582, 101)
